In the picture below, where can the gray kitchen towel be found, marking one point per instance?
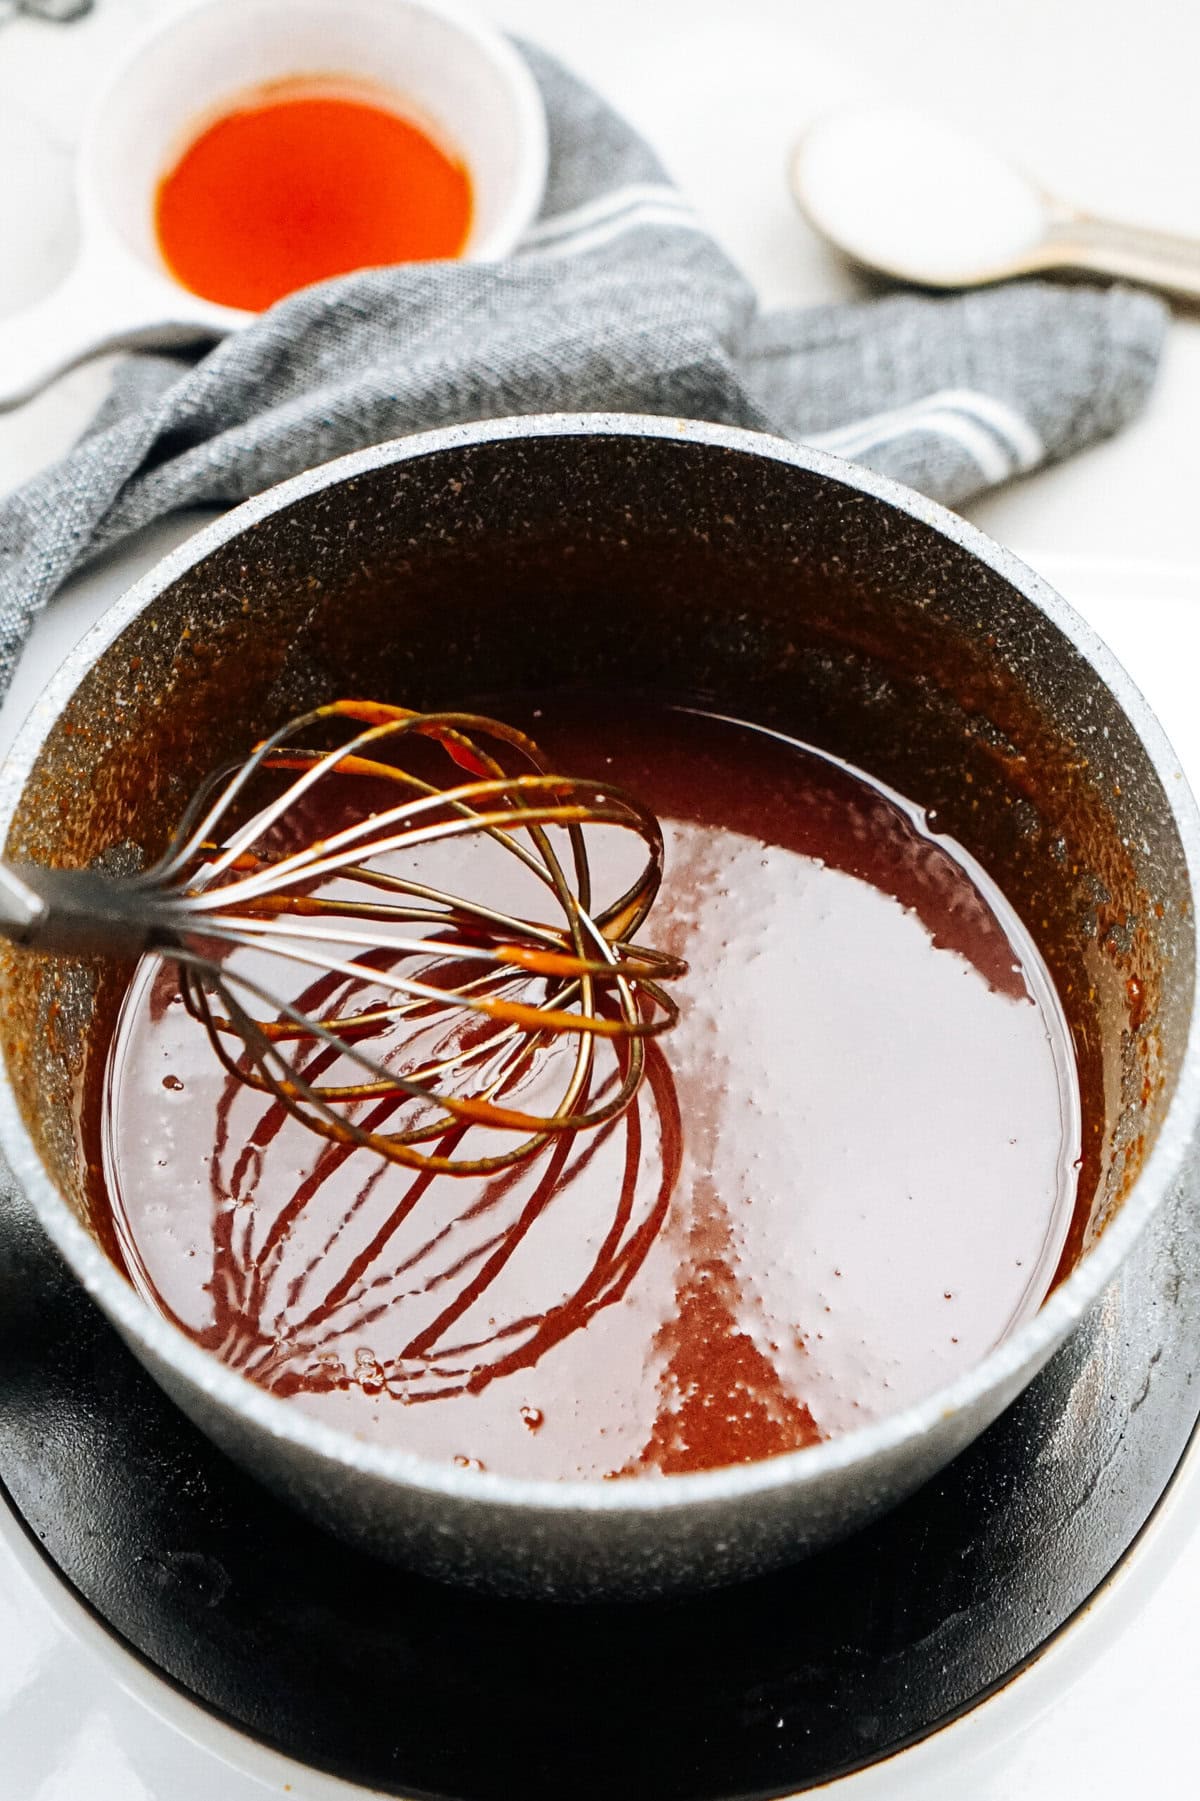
(618, 299)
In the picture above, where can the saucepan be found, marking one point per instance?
(794, 590)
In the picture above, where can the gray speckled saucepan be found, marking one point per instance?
(778, 582)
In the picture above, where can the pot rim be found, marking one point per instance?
(1027, 1347)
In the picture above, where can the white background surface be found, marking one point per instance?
(1099, 100)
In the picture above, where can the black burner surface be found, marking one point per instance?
(416, 1689)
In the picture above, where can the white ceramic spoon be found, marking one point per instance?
(917, 200)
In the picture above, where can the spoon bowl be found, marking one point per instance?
(916, 200)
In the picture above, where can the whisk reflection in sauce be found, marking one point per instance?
(281, 1300)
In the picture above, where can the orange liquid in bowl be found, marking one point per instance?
(301, 185)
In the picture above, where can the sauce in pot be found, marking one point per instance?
(850, 1173)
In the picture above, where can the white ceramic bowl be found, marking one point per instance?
(451, 71)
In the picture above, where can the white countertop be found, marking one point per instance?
(1099, 101)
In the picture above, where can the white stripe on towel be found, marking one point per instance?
(992, 433)
(679, 217)
(603, 206)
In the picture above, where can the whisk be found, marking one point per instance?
(448, 1010)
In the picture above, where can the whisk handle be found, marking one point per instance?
(21, 909)
(79, 912)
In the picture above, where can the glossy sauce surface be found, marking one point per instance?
(850, 1173)
(295, 186)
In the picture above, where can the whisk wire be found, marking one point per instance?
(503, 990)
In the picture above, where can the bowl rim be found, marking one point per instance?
(1024, 1351)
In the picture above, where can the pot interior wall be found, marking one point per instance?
(661, 564)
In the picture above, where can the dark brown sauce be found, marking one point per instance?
(850, 1173)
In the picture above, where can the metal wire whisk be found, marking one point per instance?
(434, 1006)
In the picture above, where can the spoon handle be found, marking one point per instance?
(1158, 259)
(90, 312)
